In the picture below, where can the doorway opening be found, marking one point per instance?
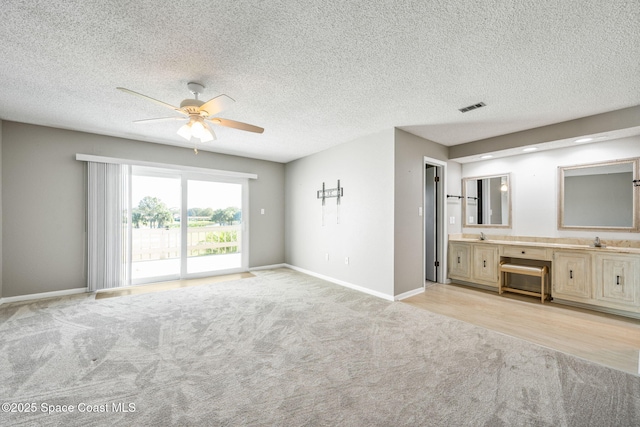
(434, 225)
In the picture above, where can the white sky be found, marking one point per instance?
(202, 194)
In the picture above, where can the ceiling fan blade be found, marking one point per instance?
(236, 125)
(217, 104)
(161, 119)
(164, 104)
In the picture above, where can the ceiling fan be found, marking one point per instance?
(200, 115)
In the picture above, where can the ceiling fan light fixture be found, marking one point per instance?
(197, 128)
(185, 131)
(207, 135)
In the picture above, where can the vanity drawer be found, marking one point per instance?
(527, 252)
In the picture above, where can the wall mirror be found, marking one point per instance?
(487, 201)
(598, 196)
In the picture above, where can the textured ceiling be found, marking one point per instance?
(316, 74)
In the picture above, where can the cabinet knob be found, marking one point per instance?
(523, 252)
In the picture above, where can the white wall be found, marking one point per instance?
(43, 190)
(454, 205)
(535, 185)
(365, 232)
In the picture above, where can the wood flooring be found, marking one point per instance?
(603, 338)
(163, 286)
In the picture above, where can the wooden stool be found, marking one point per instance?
(527, 270)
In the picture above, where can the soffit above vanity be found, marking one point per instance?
(597, 128)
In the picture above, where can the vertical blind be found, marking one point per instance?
(107, 215)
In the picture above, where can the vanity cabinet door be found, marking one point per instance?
(617, 282)
(572, 276)
(485, 264)
(459, 265)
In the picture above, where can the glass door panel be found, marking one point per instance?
(214, 226)
(155, 226)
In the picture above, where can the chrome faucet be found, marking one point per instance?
(482, 237)
(596, 243)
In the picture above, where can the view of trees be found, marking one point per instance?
(199, 212)
(226, 216)
(153, 213)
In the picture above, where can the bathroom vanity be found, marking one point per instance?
(587, 272)
(605, 278)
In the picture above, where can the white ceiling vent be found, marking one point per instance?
(472, 107)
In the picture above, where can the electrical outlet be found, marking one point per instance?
(346, 260)
(262, 211)
(452, 220)
(326, 256)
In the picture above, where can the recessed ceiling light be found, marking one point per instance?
(583, 140)
(486, 156)
(529, 149)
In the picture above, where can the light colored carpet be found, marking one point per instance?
(286, 349)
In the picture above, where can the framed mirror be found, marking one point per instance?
(598, 196)
(487, 201)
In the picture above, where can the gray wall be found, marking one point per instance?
(380, 228)
(365, 233)
(410, 151)
(43, 194)
(0, 208)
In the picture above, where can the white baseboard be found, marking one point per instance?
(267, 267)
(409, 294)
(42, 295)
(341, 283)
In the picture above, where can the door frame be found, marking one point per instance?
(244, 223)
(184, 175)
(441, 226)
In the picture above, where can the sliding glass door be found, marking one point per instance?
(155, 225)
(214, 226)
(184, 225)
